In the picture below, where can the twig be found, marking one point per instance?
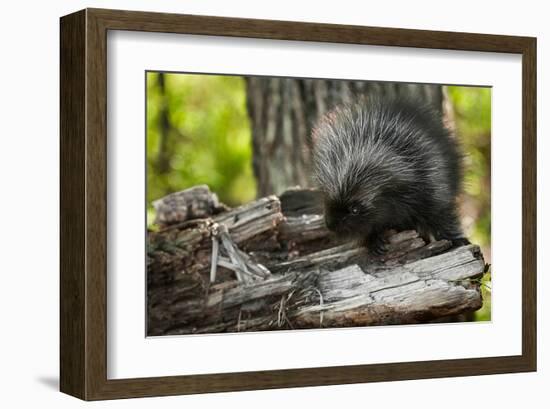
(214, 260)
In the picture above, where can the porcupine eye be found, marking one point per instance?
(354, 210)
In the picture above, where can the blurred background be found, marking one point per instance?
(249, 136)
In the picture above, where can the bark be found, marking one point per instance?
(284, 272)
(163, 158)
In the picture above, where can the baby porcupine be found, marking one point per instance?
(387, 164)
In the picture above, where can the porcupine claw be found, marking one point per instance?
(377, 246)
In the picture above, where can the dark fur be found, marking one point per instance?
(387, 164)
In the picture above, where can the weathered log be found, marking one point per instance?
(314, 280)
(193, 203)
(414, 292)
(178, 256)
(297, 202)
(176, 247)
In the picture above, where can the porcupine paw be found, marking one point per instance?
(377, 246)
(461, 241)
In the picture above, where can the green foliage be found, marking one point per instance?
(208, 138)
(484, 313)
(472, 111)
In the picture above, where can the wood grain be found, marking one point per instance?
(72, 198)
(308, 278)
(83, 153)
(529, 200)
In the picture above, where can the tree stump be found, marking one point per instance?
(271, 264)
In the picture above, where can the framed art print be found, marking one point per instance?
(251, 204)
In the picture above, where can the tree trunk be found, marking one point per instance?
(163, 157)
(283, 112)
